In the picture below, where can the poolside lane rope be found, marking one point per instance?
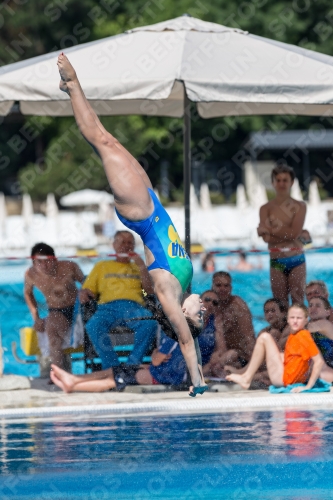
(176, 406)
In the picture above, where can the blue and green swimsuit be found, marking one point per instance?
(286, 264)
(159, 235)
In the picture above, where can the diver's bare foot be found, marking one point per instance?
(65, 378)
(57, 381)
(67, 73)
(238, 379)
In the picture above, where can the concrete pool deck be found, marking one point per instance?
(44, 401)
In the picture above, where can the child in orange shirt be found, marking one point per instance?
(292, 367)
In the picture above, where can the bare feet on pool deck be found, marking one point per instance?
(238, 379)
(67, 72)
(61, 378)
(232, 369)
(197, 390)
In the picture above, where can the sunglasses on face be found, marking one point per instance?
(213, 301)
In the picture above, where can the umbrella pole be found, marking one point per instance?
(187, 173)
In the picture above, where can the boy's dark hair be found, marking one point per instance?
(300, 306)
(221, 274)
(281, 305)
(327, 305)
(282, 169)
(42, 249)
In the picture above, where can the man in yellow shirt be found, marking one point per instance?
(117, 285)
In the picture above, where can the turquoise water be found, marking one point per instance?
(247, 455)
(253, 287)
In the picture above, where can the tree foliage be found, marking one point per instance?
(32, 27)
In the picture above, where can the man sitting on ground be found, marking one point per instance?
(236, 318)
(318, 288)
(168, 365)
(56, 280)
(117, 285)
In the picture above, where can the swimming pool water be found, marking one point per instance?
(246, 455)
(253, 287)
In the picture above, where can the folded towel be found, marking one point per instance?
(320, 386)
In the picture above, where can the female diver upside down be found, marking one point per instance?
(139, 209)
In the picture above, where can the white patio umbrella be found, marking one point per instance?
(314, 197)
(3, 213)
(86, 197)
(27, 210)
(158, 69)
(296, 192)
(241, 200)
(52, 210)
(194, 199)
(205, 201)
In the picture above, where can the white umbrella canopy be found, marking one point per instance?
(3, 212)
(205, 201)
(314, 197)
(143, 71)
(52, 210)
(296, 192)
(27, 210)
(155, 70)
(86, 197)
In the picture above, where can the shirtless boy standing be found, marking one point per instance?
(281, 224)
(56, 280)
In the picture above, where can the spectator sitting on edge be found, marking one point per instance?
(236, 319)
(301, 362)
(212, 345)
(117, 285)
(318, 288)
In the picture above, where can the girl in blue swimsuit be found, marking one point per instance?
(169, 266)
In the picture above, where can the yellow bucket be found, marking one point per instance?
(29, 341)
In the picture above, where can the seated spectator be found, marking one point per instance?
(236, 318)
(276, 315)
(213, 348)
(243, 265)
(117, 286)
(300, 363)
(208, 263)
(318, 288)
(321, 328)
(168, 365)
(57, 282)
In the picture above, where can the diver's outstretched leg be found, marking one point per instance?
(128, 180)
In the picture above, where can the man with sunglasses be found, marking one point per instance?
(236, 319)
